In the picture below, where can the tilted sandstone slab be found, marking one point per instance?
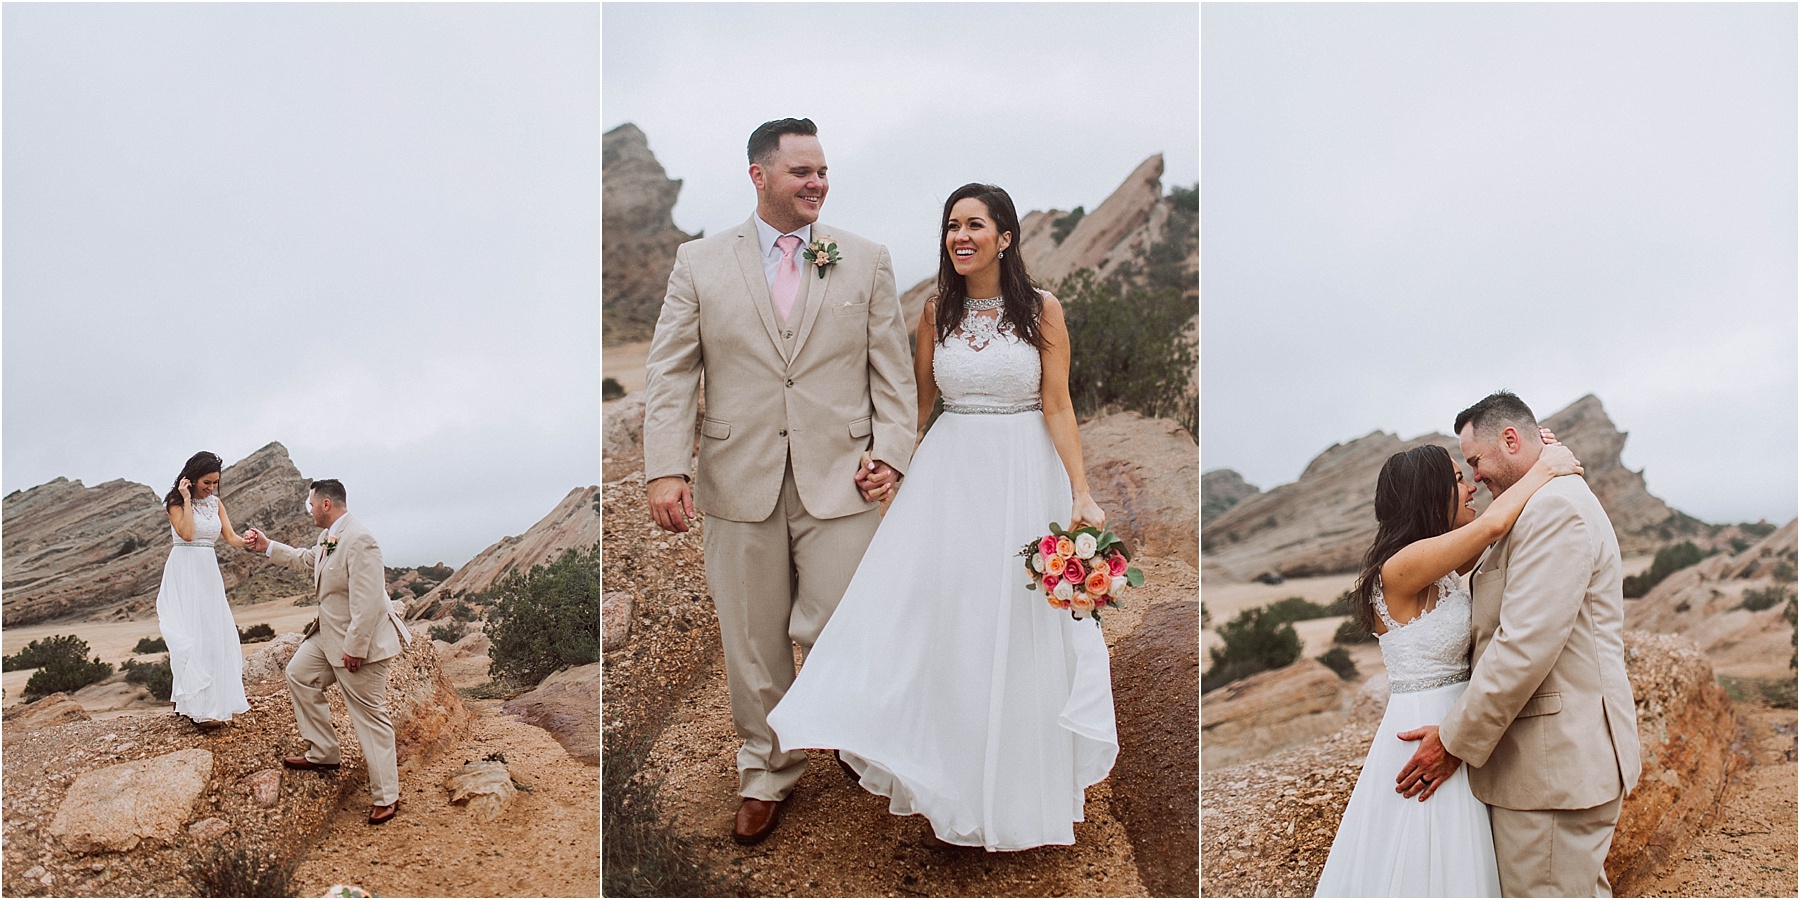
(1267, 825)
(1271, 711)
(567, 705)
(1705, 604)
(574, 523)
(120, 806)
(1145, 473)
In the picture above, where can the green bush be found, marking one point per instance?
(1186, 198)
(461, 612)
(1758, 599)
(1669, 560)
(1299, 609)
(420, 588)
(1351, 633)
(66, 674)
(151, 645)
(547, 618)
(256, 634)
(44, 651)
(1128, 352)
(449, 632)
(436, 573)
(611, 389)
(1254, 641)
(1339, 661)
(1060, 229)
(1783, 572)
(156, 676)
(642, 856)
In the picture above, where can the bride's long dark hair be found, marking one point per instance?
(1022, 303)
(1415, 499)
(198, 466)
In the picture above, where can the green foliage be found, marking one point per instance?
(1794, 636)
(436, 573)
(1252, 642)
(1669, 560)
(1129, 352)
(66, 674)
(151, 645)
(1757, 529)
(1299, 609)
(461, 612)
(256, 634)
(242, 872)
(642, 856)
(1205, 617)
(1776, 693)
(611, 389)
(547, 618)
(43, 651)
(1338, 660)
(1758, 599)
(420, 588)
(449, 632)
(157, 676)
(1186, 199)
(1783, 572)
(1351, 633)
(1060, 229)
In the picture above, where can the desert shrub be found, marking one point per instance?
(611, 389)
(420, 588)
(43, 651)
(66, 673)
(1064, 224)
(1758, 599)
(449, 632)
(1338, 660)
(1783, 572)
(436, 573)
(1253, 641)
(131, 544)
(1186, 198)
(242, 872)
(157, 676)
(1127, 351)
(1757, 530)
(256, 634)
(1299, 609)
(1351, 633)
(547, 618)
(151, 645)
(1669, 560)
(1794, 634)
(461, 612)
(642, 856)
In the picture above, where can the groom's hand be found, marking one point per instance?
(1429, 766)
(671, 503)
(256, 540)
(875, 479)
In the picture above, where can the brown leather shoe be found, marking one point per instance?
(756, 820)
(301, 762)
(848, 772)
(381, 815)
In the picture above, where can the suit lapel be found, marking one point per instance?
(813, 290)
(749, 258)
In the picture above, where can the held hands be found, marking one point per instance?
(671, 503)
(256, 540)
(1086, 512)
(1429, 766)
(876, 480)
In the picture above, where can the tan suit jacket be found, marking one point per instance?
(1548, 720)
(355, 617)
(846, 386)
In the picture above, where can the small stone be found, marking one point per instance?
(34, 873)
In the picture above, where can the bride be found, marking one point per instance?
(205, 658)
(946, 685)
(1409, 595)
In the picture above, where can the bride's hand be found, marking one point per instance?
(1560, 460)
(183, 488)
(1548, 435)
(1086, 512)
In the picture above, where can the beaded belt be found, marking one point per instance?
(1426, 684)
(1033, 406)
(182, 543)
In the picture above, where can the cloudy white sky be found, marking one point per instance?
(1407, 206)
(1056, 102)
(369, 232)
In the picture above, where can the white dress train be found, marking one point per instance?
(205, 658)
(949, 687)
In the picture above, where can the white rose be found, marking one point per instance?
(1037, 562)
(1064, 591)
(1119, 584)
(1085, 545)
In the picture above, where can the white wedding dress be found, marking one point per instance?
(204, 653)
(1388, 845)
(952, 689)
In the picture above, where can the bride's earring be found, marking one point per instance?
(1003, 254)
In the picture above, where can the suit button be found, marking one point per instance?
(784, 432)
(787, 334)
(790, 382)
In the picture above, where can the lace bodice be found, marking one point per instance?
(984, 367)
(1432, 650)
(206, 522)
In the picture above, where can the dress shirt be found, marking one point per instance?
(766, 235)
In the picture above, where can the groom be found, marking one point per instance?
(809, 419)
(350, 643)
(1547, 724)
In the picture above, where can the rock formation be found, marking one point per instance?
(1272, 711)
(1704, 603)
(574, 523)
(1220, 490)
(567, 704)
(1269, 823)
(74, 551)
(1145, 474)
(1324, 522)
(638, 235)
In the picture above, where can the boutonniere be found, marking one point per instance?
(329, 542)
(822, 253)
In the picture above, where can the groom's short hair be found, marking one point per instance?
(331, 489)
(1496, 411)
(766, 139)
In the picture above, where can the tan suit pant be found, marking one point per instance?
(309, 673)
(776, 583)
(1554, 852)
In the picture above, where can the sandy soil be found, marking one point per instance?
(625, 363)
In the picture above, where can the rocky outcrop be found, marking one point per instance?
(1145, 474)
(1155, 782)
(1324, 522)
(1272, 711)
(1269, 823)
(1705, 604)
(120, 806)
(574, 523)
(47, 712)
(638, 237)
(74, 551)
(567, 704)
(1220, 490)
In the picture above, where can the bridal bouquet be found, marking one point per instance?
(1082, 571)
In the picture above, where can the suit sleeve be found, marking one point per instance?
(1546, 581)
(293, 558)
(672, 377)
(891, 388)
(368, 594)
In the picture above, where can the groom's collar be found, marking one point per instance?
(766, 234)
(338, 526)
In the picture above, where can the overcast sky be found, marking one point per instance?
(1407, 206)
(369, 232)
(1057, 103)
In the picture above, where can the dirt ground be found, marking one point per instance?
(625, 363)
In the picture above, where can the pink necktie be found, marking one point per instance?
(787, 275)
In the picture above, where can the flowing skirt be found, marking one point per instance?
(950, 688)
(204, 653)
(1389, 846)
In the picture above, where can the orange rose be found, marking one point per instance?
(1098, 581)
(1054, 565)
(1065, 548)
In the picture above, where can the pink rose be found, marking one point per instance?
(1050, 583)
(1075, 572)
(1047, 546)
(1116, 564)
